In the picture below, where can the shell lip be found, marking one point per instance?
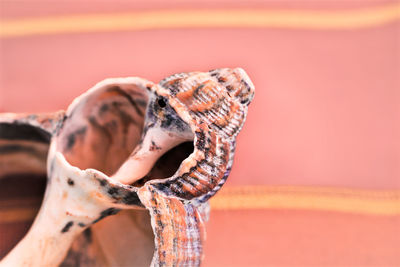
(114, 193)
(124, 99)
(118, 194)
(235, 89)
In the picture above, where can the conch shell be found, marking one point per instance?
(116, 147)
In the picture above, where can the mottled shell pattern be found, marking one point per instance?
(214, 104)
(95, 168)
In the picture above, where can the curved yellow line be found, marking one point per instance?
(353, 201)
(358, 201)
(177, 19)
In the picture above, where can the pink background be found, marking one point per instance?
(326, 113)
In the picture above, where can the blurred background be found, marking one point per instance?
(316, 178)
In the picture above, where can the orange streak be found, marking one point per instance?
(359, 201)
(179, 19)
(355, 201)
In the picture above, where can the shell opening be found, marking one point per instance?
(167, 164)
(105, 127)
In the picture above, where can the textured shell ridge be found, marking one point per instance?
(214, 104)
(217, 116)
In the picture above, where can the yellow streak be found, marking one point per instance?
(372, 202)
(178, 19)
(354, 201)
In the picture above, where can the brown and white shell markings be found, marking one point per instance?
(214, 105)
(96, 166)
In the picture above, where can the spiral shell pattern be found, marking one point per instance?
(215, 105)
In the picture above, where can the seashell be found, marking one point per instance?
(129, 144)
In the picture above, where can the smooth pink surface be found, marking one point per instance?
(326, 112)
(300, 238)
(327, 104)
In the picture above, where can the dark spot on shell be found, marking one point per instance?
(81, 224)
(70, 182)
(104, 108)
(244, 101)
(174, 88)
(51, 170)
(207, 152)
(221, 79)
(113, 191)
(213, 73)
(105, 213)
(67, 227)
(216, 126)
(161, 102)
(88, 235)
(160, 224)
(103, 182)
(198, 88)
(71, 138)
(229, 88)
(131, 198)
(154, 146)
(201, 140)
